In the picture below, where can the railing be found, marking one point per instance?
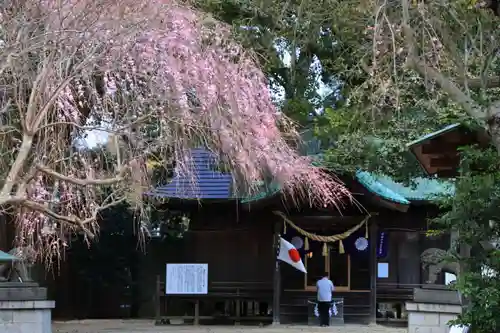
(403, 292)
(398, 285)
(410, 286)
(236, 296)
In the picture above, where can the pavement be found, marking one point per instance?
(147, 326)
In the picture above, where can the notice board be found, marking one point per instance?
(186, 279)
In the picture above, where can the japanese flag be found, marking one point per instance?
(290, 255)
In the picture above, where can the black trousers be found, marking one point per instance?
(324, 313)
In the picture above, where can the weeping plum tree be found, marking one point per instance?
(158, 78)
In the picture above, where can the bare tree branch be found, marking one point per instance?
(85, 182)
(73, 220)
(426, 71)
(476, 83)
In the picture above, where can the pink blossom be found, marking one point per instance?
(162, 61)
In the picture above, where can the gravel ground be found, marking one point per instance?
(143, 326)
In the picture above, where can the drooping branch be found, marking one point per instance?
(158, 78)
(70, 219)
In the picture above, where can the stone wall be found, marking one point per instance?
(26, 316)
(430, 318)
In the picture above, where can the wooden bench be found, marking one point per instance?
(395, 296)
(230, 293)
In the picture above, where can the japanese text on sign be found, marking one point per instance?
(186, 279)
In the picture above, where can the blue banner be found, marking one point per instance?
(382, 244)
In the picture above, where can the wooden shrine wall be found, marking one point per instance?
(406, 240)
(234, 255)
(236, 247)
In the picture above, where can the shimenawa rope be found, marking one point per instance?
(320, 238)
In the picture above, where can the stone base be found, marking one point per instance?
(23, 293)
(436, 295)
(26, 316)
(430, 318)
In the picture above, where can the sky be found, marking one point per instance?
(323, 90)
(95, 137)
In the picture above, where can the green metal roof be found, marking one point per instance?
(434, 134)
(7, 257)
(423, 189)
(372, 184)
(266, 192)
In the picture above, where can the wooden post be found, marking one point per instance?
(373, 269)
(4, 246)
(238, 311)
(197, 312)
(276, 277)
(238, 307)
(157, 300)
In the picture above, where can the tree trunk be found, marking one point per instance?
(494, 125)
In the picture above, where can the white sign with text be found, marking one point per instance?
(186, 279)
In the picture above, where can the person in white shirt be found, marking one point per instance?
(325, 289)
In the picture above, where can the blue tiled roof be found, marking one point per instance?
(202, 182)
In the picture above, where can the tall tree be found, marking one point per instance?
(304, 45)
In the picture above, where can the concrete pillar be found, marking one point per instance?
(430, 318)
(26, 316)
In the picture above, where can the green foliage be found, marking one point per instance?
(367, 120)
(279, 30)
(378, 145)
(483, 293)
(473, 212)
(380, 102)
